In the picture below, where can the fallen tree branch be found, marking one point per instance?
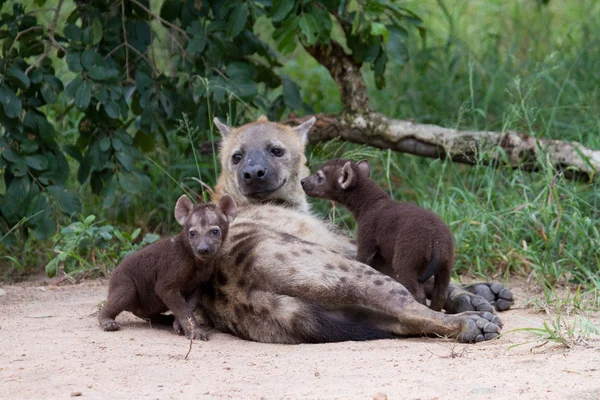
(509, 148)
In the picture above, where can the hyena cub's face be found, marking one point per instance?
(205, 225)
(262, 160)
(334, 178)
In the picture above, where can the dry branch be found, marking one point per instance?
(510, 148)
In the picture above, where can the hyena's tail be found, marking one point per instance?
(324, 326)
(433, 266)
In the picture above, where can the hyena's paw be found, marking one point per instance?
(110, 325)
(460, 301)
(479, 327)
(495, 293)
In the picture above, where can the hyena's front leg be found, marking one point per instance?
(333, 281)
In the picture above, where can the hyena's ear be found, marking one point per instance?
(303, 128)
(364, 169)
(223, 128)
(348, 178)
(228, 207)
(183, 208)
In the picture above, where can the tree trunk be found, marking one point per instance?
(491, 148)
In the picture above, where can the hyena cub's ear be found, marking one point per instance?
(364, 169)
(183, 208)
(347, 178)
(303, 128)
(228, 207)
(223, 128)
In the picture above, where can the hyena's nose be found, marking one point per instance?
(203, 249)
(302, 181)
(252, 172)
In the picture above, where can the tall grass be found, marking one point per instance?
(492, 65)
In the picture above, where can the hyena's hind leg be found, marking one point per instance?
(342, 283)
(120, 298)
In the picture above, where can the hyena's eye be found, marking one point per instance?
(215, 232)
(236, 158)
(319, 178)
(192, 233)
(277, 151)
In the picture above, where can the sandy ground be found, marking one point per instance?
(51, 348)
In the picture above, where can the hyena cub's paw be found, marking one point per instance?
(177, 327)
(197, 334)
(110, 325)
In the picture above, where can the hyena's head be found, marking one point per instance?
(205, 225)
(263, 161)
(335, 179)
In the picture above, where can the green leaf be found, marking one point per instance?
(126, 160)
(48, 93)
(15, 201)
(83, 96)
(112, 109)
(89, 219)
(280, 9)
(29, 146)
(130, 182)
(11, 155)
(88, 59)
(67, 201)
(100, 73)
(73, 86)
(95, 31)
(10, 102)
(16, 75)
(379, 29)
(45, 227)
(308, 26)
(291, 94)
(37, 161)
(105, 143)
(72, 32)
(74, 61)
(237, 20)
(51, 267)
(197, 44)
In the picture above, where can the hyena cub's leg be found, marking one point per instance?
(331, 280)
(177, 304)
(121, 297)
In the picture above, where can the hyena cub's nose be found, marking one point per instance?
(303, 181)
(203, 249)
(254, 172)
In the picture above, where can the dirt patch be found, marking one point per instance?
(52, 347)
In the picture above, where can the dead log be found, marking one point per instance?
(496, 149)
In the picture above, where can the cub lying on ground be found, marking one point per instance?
(412, 241)
(166, 275)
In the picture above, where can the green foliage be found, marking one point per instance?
(124, 74)
(89, 246)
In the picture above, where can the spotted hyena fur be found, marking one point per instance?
(286, 276)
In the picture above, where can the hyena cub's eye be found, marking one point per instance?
(236, 158)
(319, 178)
(277, 151)
(215, 231)
(192, 233)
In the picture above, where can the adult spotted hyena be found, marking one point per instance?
(285, 276)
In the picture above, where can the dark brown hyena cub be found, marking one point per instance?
(413, 243)
(166, 275)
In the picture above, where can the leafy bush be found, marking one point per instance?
(88, 246)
